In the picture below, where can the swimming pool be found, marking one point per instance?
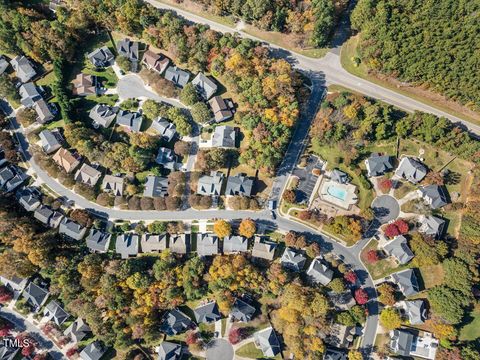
(339, 193)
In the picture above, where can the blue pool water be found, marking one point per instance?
(339, 193)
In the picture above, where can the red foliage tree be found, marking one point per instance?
(192, 338)
(361, 296)
(235, 335)
(305, 215)
(5, 295)
(398, 227)
(385, 185)
(372, 256)
(402, 226)
(5, 330)
(72, 351)
(351, 277)
(29, 344)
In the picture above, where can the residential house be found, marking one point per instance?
(98, 241)
(128, 49)
(7, 173)
(415, 311)
(66, 160)
(266, 340)
(398, 248)
(85, 84)
(177, 76)
(339, 176)
(50, 142)
(234, 244)
(8, 352)
(88, 175)
(334, 354)
(207, 245)
(24, 68)
(165, 129)
(205, 87)
(15, 284)
(29, 198)
(35, 296)
(155, 62)
(29, 94)
(222, 110)
(102, 115)
(43, 214)
(179, 243)
(411, 170)
(434, 195)
(101, 57)
(55, 219)
(113, 184)
(293, 260)
(406, 281)
(175, 322)
(224, 137)
(319, 272)
(44, 114)
(77, 330)
(3, 64)
(239, 185)
(93, 351)
(263, 248)
(131, 120)
(71, 229)
(378, 165)
(343, 301)
(242, 310)
(127, 245)
(210, 185)
(167, 158)
(207, 313)
(404, 342)
(154, 242)
(156, 186)
(169, 351)
(340, 336)
(431, 225)
(54, 312)
(18, 178)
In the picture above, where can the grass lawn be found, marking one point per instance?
(382, 267)
(432, 275)
(471, 330)
(106, 77)
(249, 351)
(404, 187)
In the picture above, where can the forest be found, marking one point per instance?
(430, 43)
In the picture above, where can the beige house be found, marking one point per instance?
(66, 160)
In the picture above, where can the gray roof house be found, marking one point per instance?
(101, 57)
(431, 225)
(15, 284)
(178, 76)
(222, 110)
(166, 129)
(131, 120)
(113, 184)
(398, 248)
(88, 175)
(263, 248)
(319, 272)
(54, 312)
(169, 351)
(102, 115)
(43, 214)
(35, 295)
(416, 344)
(127, 245)
(207, 245)
(207, 313)
(77, 330)
(24, 68)
(71, 229)
(224, 137)
(18, 178)
(411, 170)
(3, 64)
(340, 336)
(93, 351)
(7, 173)
(401, 342)
(98, 241)
(334, 354)
(242, 310)
(153, 242)
(175, 322)
(293, 260)
(44, 114)
(156, 186)
(55, 219)
(339, 176)
(8, 352)
(434, 195)
(29, 94)
(205, 87)
(155, 62)
(210, 184)
(416, 311)
(378, 164)
(29, 198)
(167, 158)
(128, 49)
(239, 185)
(179, 243)
(267, 341)
(234, 244)
(50, 141)
(406, 281)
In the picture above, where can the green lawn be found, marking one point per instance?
(471, 330)
(383, 267)
(251, 352)
(404, 188)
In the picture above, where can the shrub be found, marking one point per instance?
(372, 256)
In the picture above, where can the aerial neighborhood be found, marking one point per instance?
(171, 189)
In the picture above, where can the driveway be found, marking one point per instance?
(219, 349)
(385, 208)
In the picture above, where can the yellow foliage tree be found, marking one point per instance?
(247, 228)
(222, 228)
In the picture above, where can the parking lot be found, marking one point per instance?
(306, 179)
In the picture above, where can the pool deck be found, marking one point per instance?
(347, 202)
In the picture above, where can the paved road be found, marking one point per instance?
(22, 324)
(330, 68)
(219, 349)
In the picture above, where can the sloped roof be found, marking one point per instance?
(378, 164)
(166, 129)
(113, 184)
(239, 185)
(174, 322)
(264, 249)
(131, 120)
(431, 225)
(179, 243)
(167, 158)
(205, 87)
(411, 170)
(293, 259)
(153, 242)
(176, 75)
(43, 111)
(29, 94)
(401, 342)
(169, 351)
(23, 68)
(267, 341)
(127, 245)
(101, 57)
(55, 312)
(93, 351)
(88, 175)
(339, 176)
(128, 49)
(71, 229)
(398, 248)
(35, 294)
(220, 109)
(234, 243)
(320, 272)
(406, 281)
(210, 184)
(155, 61)
(242, 310)
(156, 186)
(85, 84)
(207, 245)
(207, 313)
(50, 142)
(66, 160)
(102, 115)
(224, 136)
(416, 311)
(435, 195)
(77, 330)
(98, 240)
